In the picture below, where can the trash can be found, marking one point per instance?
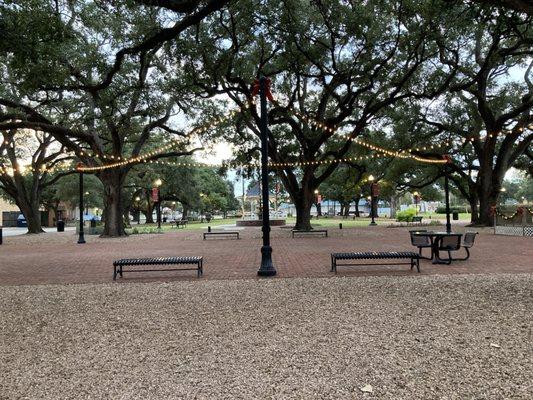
(455, 216)
(93, 223)
(60, 225)
(1, 235)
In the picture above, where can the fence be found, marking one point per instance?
(518, 224)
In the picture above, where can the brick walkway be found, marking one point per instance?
(56, 258)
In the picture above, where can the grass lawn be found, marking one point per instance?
(197, 225)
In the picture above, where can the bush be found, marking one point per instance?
(406, 215)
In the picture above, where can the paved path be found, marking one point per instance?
(22, 231)
(46, 259)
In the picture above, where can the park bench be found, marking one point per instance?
(311, 232)
(118, 266)
(417, 219)
(222, 233)
(182, 223)
(414, 258)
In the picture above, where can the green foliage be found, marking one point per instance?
(406, 215)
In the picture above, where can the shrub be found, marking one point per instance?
(406, 215)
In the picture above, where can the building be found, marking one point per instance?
(6, 207)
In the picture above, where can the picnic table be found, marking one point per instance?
(448, 241)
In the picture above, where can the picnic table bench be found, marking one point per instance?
(182, 223)
(226, 233)
(414, 258)
(118, 266)
(311, 232)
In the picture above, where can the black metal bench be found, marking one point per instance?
(118, 266)
(381, 255)
(227, 233)
(311, 232)
(182, 223)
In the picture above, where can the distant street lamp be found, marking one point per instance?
(157, 184)
(373, 191)
(81, 234)
(417, 198)
(137, 201)
(318, 205)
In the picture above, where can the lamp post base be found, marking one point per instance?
(267, 268)
(81, 239)
(373, 223)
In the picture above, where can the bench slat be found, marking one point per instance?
(119, 264)
(376, 255)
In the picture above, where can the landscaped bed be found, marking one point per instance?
(407, 337)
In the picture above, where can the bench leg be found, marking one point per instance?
(120, 271)
(334, 265)
(114, 272)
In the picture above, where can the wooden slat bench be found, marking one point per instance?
(414, 258)
(311, 232)
(228, 233)
(118, 266)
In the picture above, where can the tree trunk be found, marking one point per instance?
(345, 209)
(149, 213)
(357, 199)
(474, 210)
(318, 209)
(185, 212)
(113, 207)
(30, 210)
(127, 221)
(485, 204)
(303, 203)
(489, 186)
(393, 206)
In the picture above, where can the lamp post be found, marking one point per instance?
(137, 201)
(372, 199)
(447, 198)
(81, 234)
(416, 196)
(266, 268)
(318, 205)
(157, 184)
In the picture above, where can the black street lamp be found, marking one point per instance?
(137, 201)
(416, 196)
(157, 185)
(81, 234)
(372, 199)
(447, 198)
(266, 268)
(318, 204)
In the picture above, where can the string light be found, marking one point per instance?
(161, 150)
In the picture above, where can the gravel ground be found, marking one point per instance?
(423, 337)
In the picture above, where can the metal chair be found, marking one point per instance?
(468, 242)
(450, 243)
(421, 242)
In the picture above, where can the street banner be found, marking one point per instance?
(155, 195)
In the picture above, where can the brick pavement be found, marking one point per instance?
(56, 258)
